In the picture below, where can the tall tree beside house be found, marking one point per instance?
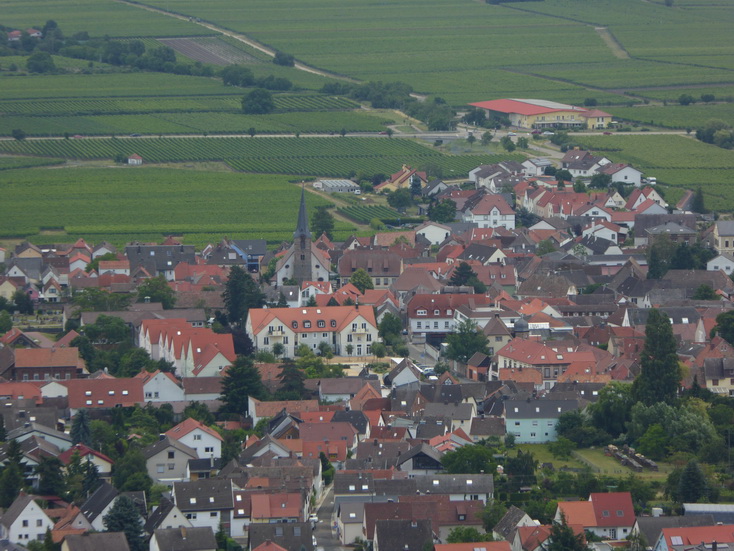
(322, 222)
(241, 381)
(6, 322)
(697, 204)
(465, 342)
(292, 380)
(725, 326)
(11, 482)
(442, 212)
(466, 534)
(50, 476)
(81, 432)
(240, 294)
(124, 517)
(462, 274)
(692, 485)
(23, 302)
(156, 289)
(659, 376)
(361, 280)
(563, 538)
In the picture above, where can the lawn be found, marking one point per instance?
(609, 466)
(543, 455)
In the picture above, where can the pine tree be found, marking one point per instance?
(11, 482)
(692, 485)
(51, 478)
(697, 205)
(91, 480)
(241, 381)
(291, 379)
(124, 517)
(240, 294)
(322, 222)
(659, 376)
(562, 538)
(81, 433)
(462, 274)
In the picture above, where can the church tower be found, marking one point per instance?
(302, 245)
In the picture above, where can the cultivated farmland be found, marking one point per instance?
(299, 156)
(148, 203)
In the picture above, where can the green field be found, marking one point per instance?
(298, 156)
(8, 163)
(149, 203)
(364, 214)
(676, 116)
(677, 162)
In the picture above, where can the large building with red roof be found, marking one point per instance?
(536, 113)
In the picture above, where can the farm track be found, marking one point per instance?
(242, 38)
(614, 45)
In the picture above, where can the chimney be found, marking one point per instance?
(183, 532)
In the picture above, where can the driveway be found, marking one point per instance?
(325, 532)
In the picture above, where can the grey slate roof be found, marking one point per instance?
(5, 545)
(210, 494)
(159, 258)
(355, 418)
(90, 541)
(167, 442)
(538, 409)
(455, 484)
(403, 535)
(186, 539)
(508, 523)
(291, 535)
(158, 515)
(97, 502)
(16, 509)
(487, 426)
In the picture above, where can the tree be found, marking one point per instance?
(522, 143)
(462, 274)
(487, 138)
(361, 280)
(471, 139)
(322, 221)
(697, 205)
(563, 538)
(611, 411)
(11, 482)
(81, 432)
(129, 472)
(237, 75)
(563, 176)
(107, 330)
(156, 289)
(124, 517)
(471, 459)
(6, 322)
(399, 199)
(281, 58)
(508, 144)
(99, 300)
(241, 381)
(390, 328)
(725, 326)
(199, 411)
(705, 292)
(654, 443)
(492, 514)
(659, 376)
(462, 534)
(600, 181)
(94, 264)
(465, 342)
(692, 485)
(51, 477)
(415, 185)
(292, 380)
(686, 99)
(40, 62)
(544, 247)
(240, 294)
(443, 211)
(258, 102)
(23, 302)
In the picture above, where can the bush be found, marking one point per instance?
(281, 58)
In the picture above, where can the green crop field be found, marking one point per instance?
(676, 161)
(97, 17)
(676, 116)
(115, 204)
(298, 156)
(8, 163)
(364, 214)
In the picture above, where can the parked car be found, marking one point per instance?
(548, 133)
(511, 134)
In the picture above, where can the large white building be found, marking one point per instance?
(348, 330)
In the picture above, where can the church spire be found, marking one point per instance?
(302, 232)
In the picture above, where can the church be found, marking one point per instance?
(303, 261)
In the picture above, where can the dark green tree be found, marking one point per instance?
(462, 274)
(465, 534)
(465, 342)
(611, 411)
(400, 199)
(40, 62)
(361, 280)
(51, 478)
(563, 538)
(81, 432)
(564, 176)
(705, 292)
(292, 380)
(94, 264)
(199, 411)
(237, 75)
(126, 468)
(6, 322)
(442, 212)
(390, 328)
(600, 181)
(697, 205)
(492, 514)
(99, 300)
(469, 460)
(656, 264)
(107, 330)
(692, 485)
(11, 482)
(240, 294)
(659, 376)
(415, 185)
(23, 302)
(91, 480)
(258, 102)
(725, 326)
(124, 517)
(156, 289)
(18, 134)
(322, 221)
(241, 381)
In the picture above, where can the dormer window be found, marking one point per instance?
(294, 325)
(333, 323)
(421, 312)
(436, 312)
(321, 323)
(306, 324)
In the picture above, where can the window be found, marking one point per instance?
(418, 325)
(170, 454)
(333, 323)
(266, 341)
(39, 522)
(421, 312)
(278, 530)
(25, 524)
(294, 325)
(296, 530)
(197, 437)
(306, 324)
(171, 466)
(191, 516)
(213, 514)
(532, 435)
(160, 468)
(89, 402)
(209, 450)
(321, 323)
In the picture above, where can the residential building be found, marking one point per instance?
(383, 267)
(535, 113)
(24, 521)
(167, 460)
(183, 539)
(534, 421)
(206, 442)
(607, 515)
(206, 503)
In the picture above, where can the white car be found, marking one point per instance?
(511, 134)
(548, 133)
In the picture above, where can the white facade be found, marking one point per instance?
(30, 525)
(722, 262)
(492, 220)
(433, 232)
(203, 443)
(160, 388)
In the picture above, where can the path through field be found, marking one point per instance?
(613, 44)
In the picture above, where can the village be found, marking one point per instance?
(378, 392)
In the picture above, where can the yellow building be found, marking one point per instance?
(539, 114)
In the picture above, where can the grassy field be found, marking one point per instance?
(675, 116)
(677, 162)
(149, 203)
(297, 156)
(609, 466)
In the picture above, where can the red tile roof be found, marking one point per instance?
(83, 451)
(104, 392)
(48, 357)
(613, 509)
(189, 425)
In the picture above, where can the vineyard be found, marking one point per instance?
(8, 163)
(676, 116)
(118, 204)
(365, 214)
(298, 156)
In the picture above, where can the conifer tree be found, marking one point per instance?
(124, 517)
(241, 381)
(81, 433)
(659, 376)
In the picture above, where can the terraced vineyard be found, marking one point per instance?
(364, 214)
(209, 50)
(299, 156)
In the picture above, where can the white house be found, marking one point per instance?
(206, 502)
(491, 211)
(161, 387)
(434, 232)
(24, 521)
(621, 172)
(204, 441)
(724, 262)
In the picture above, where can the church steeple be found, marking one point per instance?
(302, 232)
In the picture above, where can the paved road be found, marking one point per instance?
(324, 533)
